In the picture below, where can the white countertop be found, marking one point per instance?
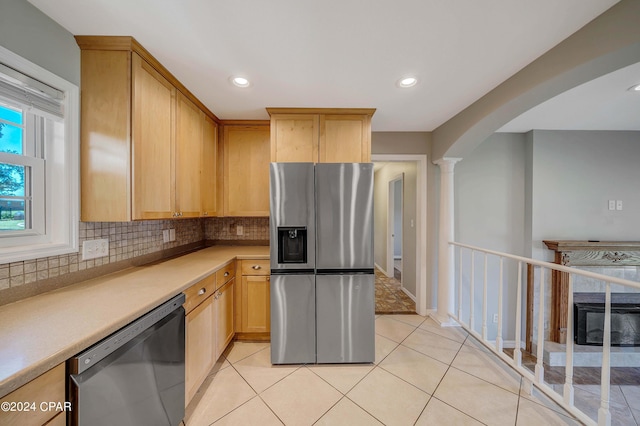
(40, 332)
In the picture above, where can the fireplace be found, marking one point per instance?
(588, 311)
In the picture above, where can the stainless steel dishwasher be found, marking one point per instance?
(135, 376)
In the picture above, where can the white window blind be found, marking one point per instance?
(26, 91)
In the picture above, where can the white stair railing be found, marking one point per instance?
(466, 320)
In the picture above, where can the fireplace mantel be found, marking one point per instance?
(595, 253)
(582, 253)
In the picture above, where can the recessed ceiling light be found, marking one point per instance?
(240, 81)
(407, 82)
(635, 88)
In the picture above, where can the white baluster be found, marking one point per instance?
(517, 353)
(471, 290)
(500, 284)
(484, 301)
(568, 382)
(460, 285)
(604, 415)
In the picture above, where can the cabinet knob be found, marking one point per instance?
(226, 274)
(256, 267)
(202, 291)
(205, 213)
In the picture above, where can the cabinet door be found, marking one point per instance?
(105, 128)
(209, 176)
(153, 135)
(294, 138)
(345, 139)
(246, 171)
(188, 156)
(255, 304)
(199, 346)
(224, 316)
(49, 387)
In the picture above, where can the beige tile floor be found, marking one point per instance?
(423, 375)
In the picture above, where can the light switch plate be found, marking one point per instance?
(240, 230)
(165, 235)
(92, 249)
(619, 205)
(172, 234)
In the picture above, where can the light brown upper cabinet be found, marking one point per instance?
(246, 169)
(142, 137)
(210, 173)
(188, 157)
(153, 138)
(320, 135)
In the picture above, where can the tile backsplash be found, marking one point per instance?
(226, 228)
(129, 243)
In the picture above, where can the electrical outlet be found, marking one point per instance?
(165, 235)
(172, 234)
(92, 249)
(619, 205)
(240, 230)
(612, 204)
(495, 318)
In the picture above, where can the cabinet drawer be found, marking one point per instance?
(256, 267)
(49, 387)
(224, 274)
(198, 292)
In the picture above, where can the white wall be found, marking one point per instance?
(380, 199)
(574, 174)
(33, 35)
(490, 213)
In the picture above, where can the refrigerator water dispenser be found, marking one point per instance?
(292, 244)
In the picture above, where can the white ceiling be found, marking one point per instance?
(337, 53)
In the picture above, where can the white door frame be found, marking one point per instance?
(421, 223)
(391, 222)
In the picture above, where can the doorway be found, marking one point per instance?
(395, 228)
(414, 194)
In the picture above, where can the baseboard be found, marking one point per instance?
(411, 296)
(382, 270)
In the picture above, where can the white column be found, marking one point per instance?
(446, 294)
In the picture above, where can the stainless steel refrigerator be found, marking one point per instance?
(322, 281)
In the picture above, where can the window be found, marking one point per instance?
(38, 161)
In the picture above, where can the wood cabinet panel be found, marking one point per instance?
(345, 139)
(294, 138)
(153, 142)
(256, 314)
(199, 292)
(105, 133)
(209, 175)
(49, 387)
(188, 156)
(199, 346)
(255, 267)
(324, 135)
(224, 316)
(226, 273)
(246, 170)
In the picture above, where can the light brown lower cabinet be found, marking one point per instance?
(224, 316)
(254, 318)
(48, 387)
(199, 346)
(209, 308)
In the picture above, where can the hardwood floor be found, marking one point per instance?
(582, 375)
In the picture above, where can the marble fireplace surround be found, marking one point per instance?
(587, 255)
